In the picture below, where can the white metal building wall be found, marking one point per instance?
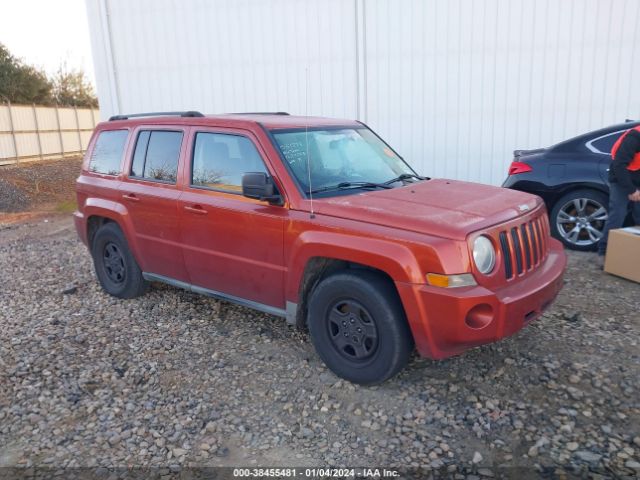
(454, 86)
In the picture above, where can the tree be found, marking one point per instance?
(71, 88)
(21, 83)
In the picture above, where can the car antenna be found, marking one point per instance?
(306, 138)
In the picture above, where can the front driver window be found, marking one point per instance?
(220, 160)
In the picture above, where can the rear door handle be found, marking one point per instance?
(131, 197)
(197, 209)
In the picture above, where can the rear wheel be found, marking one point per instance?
(358, 326)
(578, 219)
(116, 269)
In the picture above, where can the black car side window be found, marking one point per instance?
(605, 143)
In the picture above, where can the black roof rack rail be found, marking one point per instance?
(259, 113)
(189, 113)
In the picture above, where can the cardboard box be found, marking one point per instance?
(623, 253)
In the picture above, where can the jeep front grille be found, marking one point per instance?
(524, 246)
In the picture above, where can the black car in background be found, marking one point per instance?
(571, 177)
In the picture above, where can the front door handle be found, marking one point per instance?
(197, 209)
(131, 197)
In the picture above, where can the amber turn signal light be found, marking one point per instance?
(451, 281)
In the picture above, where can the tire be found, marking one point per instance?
(116, 269)
(358, 326)
(578, 219)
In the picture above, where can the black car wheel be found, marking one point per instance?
(116, 269)
(578, 219)
(358, 326)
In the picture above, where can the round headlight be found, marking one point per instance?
(484, 255)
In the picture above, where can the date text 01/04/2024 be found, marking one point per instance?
(315, 473)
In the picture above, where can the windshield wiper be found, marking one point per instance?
(355, 185)
(350, 185)
(405, 176)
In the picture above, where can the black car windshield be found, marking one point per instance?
(340, 159)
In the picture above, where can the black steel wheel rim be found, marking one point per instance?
(581, 221)
(352, 330)
(113, 262)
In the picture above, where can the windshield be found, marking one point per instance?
(339, 157)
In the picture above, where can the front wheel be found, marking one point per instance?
(358, 326)
(578, 219)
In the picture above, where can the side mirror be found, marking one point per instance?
(260, 186)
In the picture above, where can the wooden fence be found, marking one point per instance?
(33, 132)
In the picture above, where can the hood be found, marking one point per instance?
(444, 208)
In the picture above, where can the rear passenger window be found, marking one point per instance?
(220, 160)
(107, 153)
(156, 155)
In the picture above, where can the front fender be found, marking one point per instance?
(394, 259)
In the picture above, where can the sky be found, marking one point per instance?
(46, 33)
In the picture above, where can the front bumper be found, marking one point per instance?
(446, 322)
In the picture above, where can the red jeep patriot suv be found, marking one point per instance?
(321, 222)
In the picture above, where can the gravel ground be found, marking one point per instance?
(12, 198)
(37, 185)
(175, 380)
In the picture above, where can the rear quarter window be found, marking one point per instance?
(107, 152)
(605, 144)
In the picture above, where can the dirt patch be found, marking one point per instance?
(36, 187)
